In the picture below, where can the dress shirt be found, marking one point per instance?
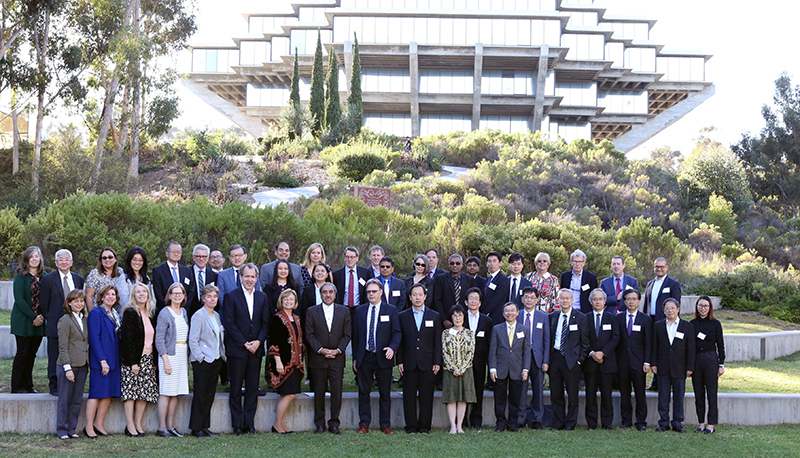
(327, 310)
(473, 321)
(418, 315)
(347, 285)
(575, 287)
(387, 287)
(249, 298)
(79, 320)
(654, 294)
(672, 328)
(491, 277)
(174, 272)
(70, 283)
(318, 297)
(377, 321)
(197, 271)
(557, 343)
(375, 272)
(512, 286)
(597, 315)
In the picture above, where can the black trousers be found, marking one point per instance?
(368, 371)
(475, 417)
(422, 382)
(705, 378)
(628, 377)
(22, 369)
(247, 370)
(507, 392)
(562, 377)
(593, 379)
(678, 388)
(320, 378)
(52, 357)
(205, 388)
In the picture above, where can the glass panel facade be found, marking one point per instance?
(268, 95)
(280, 47)
(254, 52)
(443, 123)
(214, 60)
(507, 124)
(384, 80)
(584, 46)
(389, 123)
(582, 19)
(577, 93)
(445, 81)
(508, 82)
(640, 59)
(616, 52)
(261, 24)
(571, 132)
(627, 102)
(628, 30)
(682, 68)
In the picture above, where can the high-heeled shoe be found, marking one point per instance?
(100, 433)
(276, 431)
(130, 434)
(87, 434)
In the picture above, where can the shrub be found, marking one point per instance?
(379, 178)
(280, 178)
(12, 236)
(414, 173)
(355, 167)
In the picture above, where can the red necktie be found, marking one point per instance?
(351, 295)
(618, 287)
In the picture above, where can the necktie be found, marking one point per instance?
(619, 288)
(513, 295)
(200, 282)
(175, 275)
(371, 339)
(386, 288)
(66, 287)
(630, 324)
(564, 330)
(351, 295)
(457, 288)
(528, 324)
(597, 324)
(430, 274)
(510, 336)
(238, 278)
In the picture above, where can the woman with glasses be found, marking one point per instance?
(104, 364)
(106, 273)
(172, 332)
(544, 282)
(709, 363)
(422, 268)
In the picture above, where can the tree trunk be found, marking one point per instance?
(105, 124)
(40, 43)
(15, 134)
(133, 166)
(123, 133)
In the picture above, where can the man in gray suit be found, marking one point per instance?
(509, 363)
(282, 251)
(328, 332)
(538, 326)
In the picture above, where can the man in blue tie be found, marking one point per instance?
(394, 289)
(538, 325)
(616, 284)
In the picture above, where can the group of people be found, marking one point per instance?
(138, 333)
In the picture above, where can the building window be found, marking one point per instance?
(626, 102)
(577, 93)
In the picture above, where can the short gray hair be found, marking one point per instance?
(63, 251)
(577, 253)
(200, 246)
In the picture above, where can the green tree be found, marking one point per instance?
(317, 103)
(333, 110)
(294, 96)
(355, 110)
(669, 160)
(720, 214)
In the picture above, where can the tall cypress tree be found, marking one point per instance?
(317, 103)
(294, 96)
(333, 111)
(354, 106)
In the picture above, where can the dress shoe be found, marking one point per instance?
(335, 430)
(261, 392)
(624, 426)
(237, 431)
(129, 433)
(499, 429)
(363, 429)
(275, 431)
(319, 430)
(33, 391)
(175, 432)
(87, 434)
(164, 433)
(387, 430)
(205, 430)
(63, 438)
(708, 431)
(641, 428)
(199, 433)
(652, 388)
(75, 436)
(591, 428)
(661, 429)
(141, 433)
(678, 429)
(100, 433)
(699, 430)
(537, 426)
(569, 428)
(609, 428)
(513, 429)
(249, 430)
(424, 431)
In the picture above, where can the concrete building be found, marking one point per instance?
(566, 67)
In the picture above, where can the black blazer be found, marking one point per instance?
(445, 293)
(483, 336)
(210, 278)
(673, 360)
(339, 280)
(132, 337)
(162, 279)
(634, 350)
(273, 292)
(239, 328)
(479, 282)
(397, 292)
(670, 288)
(523, 282)
(387, 333)
(607, 343)
(495, 296)
(588, 284)
(307, 300)
(429, 285)
(318, 336)
(577, 340)
(420, 349)
(51, 299)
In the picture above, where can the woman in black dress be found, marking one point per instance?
(285, 359)
(709, 363)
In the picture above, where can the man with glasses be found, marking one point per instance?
(633, 359)
(230, 278)
(579, 281)
(202, 275)
(516, 282)
(171, 272)
(282, 251)
(659, 290)
(217, 261)
(351, 281)
(616, 284)
(376, 338)
(451, 289)
(394, 289)
(601, 364)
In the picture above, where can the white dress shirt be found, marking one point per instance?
(249, 298)
(557, 343)
(327, 310)
(672, 328)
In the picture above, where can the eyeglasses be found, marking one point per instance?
(237, 256)
(703, 306)
(373, 291)
(542, 260)
(350, 256)
(419, 264)
(200, 256)
(456, 263)
(385, 267)
(659, 267)
(106, 258)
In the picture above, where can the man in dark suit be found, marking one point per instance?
(216, 261)
(433, 259)
(473, 266)
(451, 289)
(202, 275)
(53, 292)
(246, 318)
(495, 295)
(601, 364)
(633, 359)
(328, 331)
(569, 344)
(230, 279)
(375, 256)
(481, 327)
(616, 284)
(419, 359)
(658, 290)
(376, 338)
(509, 364)
(394, 289)
(516, 282)
(171, 272)
(282, 251)
(580, 281)
(674, 354)
(351, 275)
(538, 325)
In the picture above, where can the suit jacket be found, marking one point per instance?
(210, 278)
(387, 333)
(445, 293)
(577, 340)
(483, 338)
(540, 337)
(439, 271)
(307, 299)
(203, 342)
(510, 360)
(420, 349)
(523, 282)
(51, 299)
(362, 275)
(636, 349)
(429, 285)
(588, 283)
(670, 288)
(268, 269)
(103, 340)
(73, 343)
(607, 342)
(495, 296)
(320, 337)
(675, 359)
(132, 337)
(162, 280)
(478, 282)
(226, 282)
(397, 292)
(239, 327)
(609, 285)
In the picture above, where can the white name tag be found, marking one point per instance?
(539, 325)
(585, 288)
(428, 323)
(395, 293)
(628, 287)
(679, 335)
(701, 336)
(480, 334)
(573, 327)
(452, 332)
(520, 335)
(187, 281)
(665, 290)
(636, 328)
(492, 286)
(361, 281)
(212, 284)
(606, 327)
(384, 318)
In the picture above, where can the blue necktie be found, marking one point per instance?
(371, 339)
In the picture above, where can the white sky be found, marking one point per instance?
(752, 43)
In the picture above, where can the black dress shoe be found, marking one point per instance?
(205, 430)
(237, 431)
(319, 430)
(261, 392)
(130, 434)
(499, 429)
(54, 393)
(661, 429)
(641, 427)
(33, 391)
(87, 434)
(569, 428)
(335, 430)
(175, 432)
(75, 436)
(609, 428)
(249, 430)
(678, 429)
(164, 433)
(699, 430)
(537, 426)
(708, 431)
(199, 433)
(141, 433)
(624, 426)
(275, 430)
(591, 428)
(101, 434)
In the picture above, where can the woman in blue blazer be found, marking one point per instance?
(104, 375)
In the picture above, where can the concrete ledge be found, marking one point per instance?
(761, 345)
(6, 295)
(36, 413)
(8, 344)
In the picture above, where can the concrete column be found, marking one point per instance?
(476, 87)
(348, 63)
(413, 68)
(541, 78)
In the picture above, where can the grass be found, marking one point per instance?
(734, 322)
(5, 317)
(729, 441)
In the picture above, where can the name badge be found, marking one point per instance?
(606, 327)
(361, 281)
(395, 293)
(492, 286)
(539, 325)
(701, 336)
(573, 327)
(480, 334)
(679, 335)
(384, 318)
(628, 287)
(452, 332)
(585, 288)
(428, 323)
(212, 284)
(636, 328)
(520, 335)
(665, 290)
(187, 281)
